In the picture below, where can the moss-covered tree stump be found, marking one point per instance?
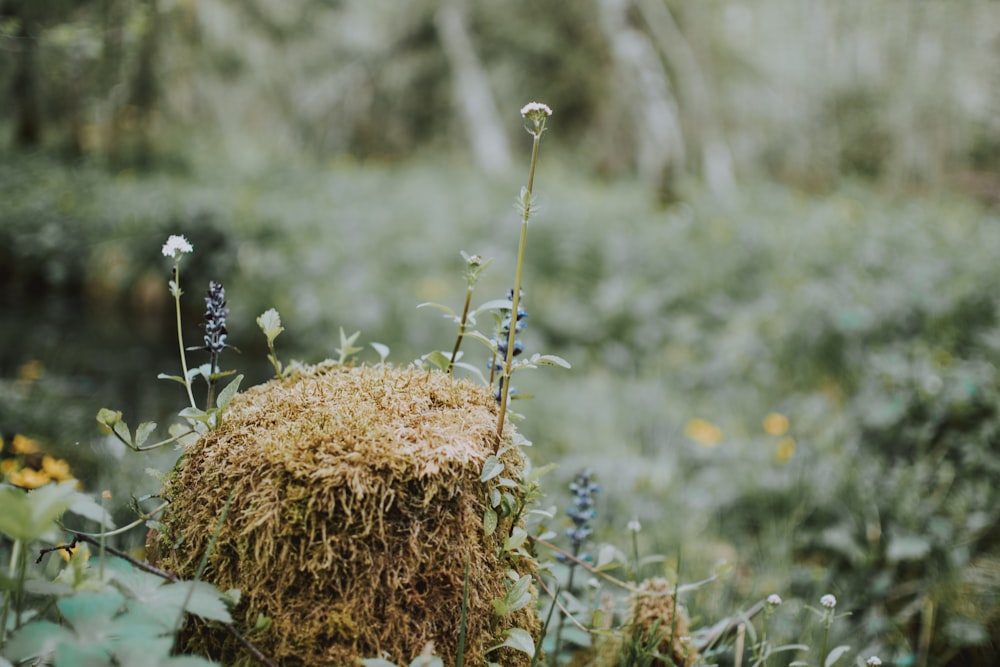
(356, 503)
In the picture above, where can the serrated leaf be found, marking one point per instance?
(91, 614)
(520, 640)
(270, 323)
(40, 638)
(227, 394)
(834, 655)
(491, 468)
(205, 600)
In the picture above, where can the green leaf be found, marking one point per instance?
(438, 358)
(205, 600)
(142, 432)
(270, 323)
(347, 348)
(262, 624)
(518, 596)
(108, 418)
(490, 521)
(91, 614)
(494, 304)
(520, 640)
(550, 360)
(382, 350)
(85, 506)
(227, 394)
(427, 661)
(834, 655)
(448, 312)
(516, 538)
(491, 468)
(37, 639)
(176, 378)
(28, 516)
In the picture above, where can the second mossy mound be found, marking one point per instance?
(355, 506)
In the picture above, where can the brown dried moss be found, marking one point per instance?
(356, 502)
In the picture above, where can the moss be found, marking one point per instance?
(357, 502)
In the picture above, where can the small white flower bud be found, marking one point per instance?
(828, 601)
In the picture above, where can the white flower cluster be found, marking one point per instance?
(774, 599)
(176, 245)
(828, 601)
(534, 109)
(873, 661)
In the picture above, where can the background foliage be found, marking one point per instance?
(818, 242)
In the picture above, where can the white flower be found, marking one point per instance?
(634, 525)
(828, 601)
(774, 599)
(175, 245)
(537, 108)
(873, 661)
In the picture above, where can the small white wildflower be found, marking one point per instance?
(593, 583)
(532, 109)
(175, 245)
(774, 599)
(828, 601)
(634, 525)
(873, 661)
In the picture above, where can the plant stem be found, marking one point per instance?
(516, 296)
(180, 336)
(461, 330)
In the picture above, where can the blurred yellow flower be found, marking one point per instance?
(7, 466)
(24, 445)
(785, 449)
(703, 432)
(72, 551)
(776, 424)
(26, 478)
(31, 371)
(56, 468)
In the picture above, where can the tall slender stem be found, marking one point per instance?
(516, 296)
(461, 330)
(180, 336)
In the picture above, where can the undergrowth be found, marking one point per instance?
(843, 509)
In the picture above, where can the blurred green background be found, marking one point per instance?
(768, 243)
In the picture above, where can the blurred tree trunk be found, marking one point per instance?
(145, 85)
(642, 100)
(472, 96)
(24, 90)
(695, 95)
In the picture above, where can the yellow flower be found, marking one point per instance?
(703, 432)
(31, 371)
(72, 551)
(776, 424)
(27, 478)
(24, 445)
(56, 468)
(7, 466)
(785, 449)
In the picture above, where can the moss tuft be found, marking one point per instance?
(357, 501)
